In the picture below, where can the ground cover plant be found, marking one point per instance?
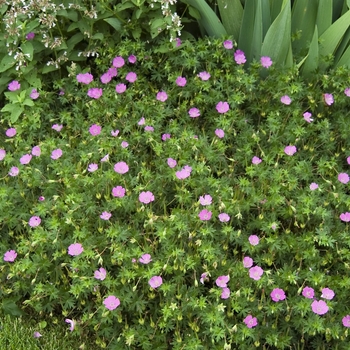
(197, 206)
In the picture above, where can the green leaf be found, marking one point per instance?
(6, 63)
(311, 62)
(15, 111)
(324, 15)
(114, 22)
(75, 39)
(247, 30)
(209, 20)
(278, 38)
(194, 13)
(231, 13)
(32, 79)
(10, 307)
(344, 59)
(98, 36)
(28, 102)
(27, 49)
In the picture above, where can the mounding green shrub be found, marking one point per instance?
(196, 206)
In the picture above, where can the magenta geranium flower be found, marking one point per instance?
(223, 217)
(75, 249)
(118, 191)
(37, 335)
(308, 292)
(172, 162)
(240, 57)
(345, 217)
(92, 167)
(328, 99)
(184, 172)
(71, 323)
(95, 93)
(266, 61)
(145, 259)
(203, 75)
(307, 117)
(204, 277)
(253, 239)
(205, 215)
(14, 85)
(115, 133)
(10, 256)
(95, 130)
(205, 200)
(219, 133)
(85, 78)
(56, 153)
(222, 281)
(222, 107)
(319, 307)
(178, 42)
(278, 294)
(256, 160)
(57, 127)
(100, 274)
(25, 159)
(11, 132)
(34, 94)
(165, 137)
(131, 77)
(347, 91)
(105, 78)
(228, 44)
(247, 262)
(120, 88)
(111, 302)
(34, 221)
(346, 321)
(162, 96)
(146, 197)
(105, 158)
(14, 171)
(343, 178)
(155, 281)
(327, 294)
(149, 128)
(118, 62)
(286, 100)
(132, 59)
(105, 215)
(250, 321)
(194, 112)
(313, 186)
(2, 154)
(30, 36)
(290, 150)
(142, 121)
(124, 144)
(181, 81)
(121, 168)
(256, 272)
(225, 294)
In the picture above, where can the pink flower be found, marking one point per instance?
(172, 162)
(105, 158)
(155, 281)
(10, 256)
(11, 132)
(105, 78)
(34, 94)
(205, 200)
(328, 99)
(132, 59)
(290, 150)
(253, 239)
(247, 262)
(30, 36)
(308, 292)
(120, 88)
(14, 171)
(327, 294)
(111, 302)
(14, 85)
(278, 294)
(178, 42)
(228, 44)
(266, 61)
(124, 144)
(36, 151)
(166, 136)
(145, 259)
(85, 78)
(95, 93)
(313, 186)
(162, 96)
(131, 77)
(345, 217)
(72, 324)
(307, 117)
(250, 321)
(118, 191)
(34, 221)
(57, 153)
(194, 112)
(115, 133)
(75, 249)
(348, 160)
(146, 197)
(225, 294)
(286, 100)
(95, 130)
(141, 121)
(239, 57)
(25, 159)
(118, 62)
(37, 335)
(203, 75)
(149, 128)
(105, 215)
(121, 168)
(219, 133)
(223, 217)
(256, 160)
(57, 127)
(181, 81)
(222, 107)
(184, 172)
(2, 153)
(343, 178)
(346, 321)
(204, 277)
(222, 281)
(41, 198)
(205, 215)
(347, 92)
(92, 167)
(100, 274)
(319, 307)
(255, 272)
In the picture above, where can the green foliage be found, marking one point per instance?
(302, 240)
